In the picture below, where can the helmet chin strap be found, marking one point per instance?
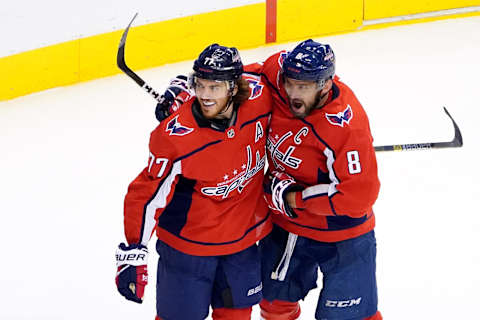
(318, 100)
(229, 103)
(230, 100)
(321, 97)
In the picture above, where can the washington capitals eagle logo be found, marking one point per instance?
(257, 89)
(176, 129)
(340, 118)
(282, 57)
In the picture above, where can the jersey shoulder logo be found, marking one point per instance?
(338, 119)
(282, 57)
(256, 87)
(176, 129)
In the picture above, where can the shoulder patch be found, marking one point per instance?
(282, 57)
(176, 129)
(256, 87)
(338, 119)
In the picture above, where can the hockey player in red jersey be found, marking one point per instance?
(202, 191)
(322, 185)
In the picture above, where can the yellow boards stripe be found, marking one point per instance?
(378, 9)
(147, 46)
(310, 18)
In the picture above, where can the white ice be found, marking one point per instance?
(69, 153)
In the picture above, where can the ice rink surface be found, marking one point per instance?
(69, 153)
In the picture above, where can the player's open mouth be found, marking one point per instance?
(296, 105)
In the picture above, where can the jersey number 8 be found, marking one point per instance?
(353, 162)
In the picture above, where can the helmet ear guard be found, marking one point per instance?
(322, 82)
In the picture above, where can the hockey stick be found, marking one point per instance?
(123, 66)
(457, 142)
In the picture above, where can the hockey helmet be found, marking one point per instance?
(310, 61)
(218, 63)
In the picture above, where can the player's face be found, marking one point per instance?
(213, 97)
(303, 96)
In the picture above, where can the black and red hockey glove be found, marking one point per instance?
(132, 275)
(176, 94)
(278, 185)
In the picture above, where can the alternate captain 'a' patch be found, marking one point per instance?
(340, 118)
(257, 89)
(176, 129)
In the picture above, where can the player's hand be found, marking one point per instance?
(176, 94)
(132, 275)
(278, 185)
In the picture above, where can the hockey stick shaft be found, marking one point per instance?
(457, 142)
(123, 66)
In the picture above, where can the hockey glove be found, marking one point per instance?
(279, 184)
(132, 276)
(176, 94)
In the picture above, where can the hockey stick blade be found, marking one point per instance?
(123, 65)
(457, 142)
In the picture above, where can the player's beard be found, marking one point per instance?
(300, 109)
(213, 111)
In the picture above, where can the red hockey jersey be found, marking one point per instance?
(202, 187)
(331, 153)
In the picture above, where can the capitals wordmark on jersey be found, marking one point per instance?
(279, 158)
(240, 179)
